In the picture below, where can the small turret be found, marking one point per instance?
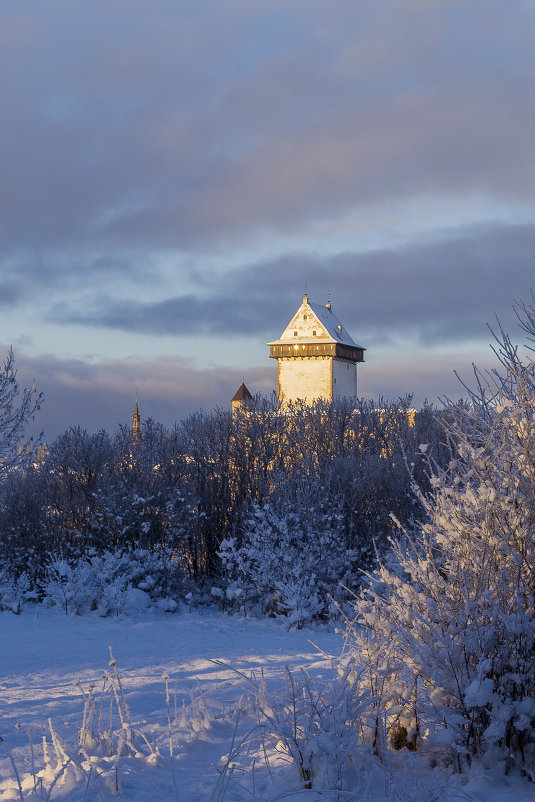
(240, 399)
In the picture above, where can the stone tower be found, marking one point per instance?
(317, 358)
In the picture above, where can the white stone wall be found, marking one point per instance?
(344, 378)
(305, 379)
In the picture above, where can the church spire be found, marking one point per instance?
(136, 420)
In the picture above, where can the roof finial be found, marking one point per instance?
(305, 296)
(328, 304)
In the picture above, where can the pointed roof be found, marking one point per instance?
(242, 393)
(136, 415)
(320, 319)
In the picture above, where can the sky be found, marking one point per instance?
(175, 174)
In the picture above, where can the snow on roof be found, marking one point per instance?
(334, 328)
(336, 332)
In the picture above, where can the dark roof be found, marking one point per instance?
(242, 393)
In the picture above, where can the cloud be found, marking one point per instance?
(97, 395)
(425, 377)
(190, 125)
(39, 279)
(435, 292)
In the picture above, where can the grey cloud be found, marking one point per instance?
(438, 291)
(435, 292)
(11, 292)
(184, 125)
(102, 395)
(186, 314)
(29, 275)
(432, 378)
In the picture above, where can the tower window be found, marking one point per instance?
(314, 333)
(295, 334)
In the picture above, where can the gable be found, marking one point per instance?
(316, 323)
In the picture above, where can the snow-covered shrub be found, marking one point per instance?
(449, 625)
(112, 582)
(13, 591)
(306, 727)
(116, 572)
(70, 585)
(289, 561)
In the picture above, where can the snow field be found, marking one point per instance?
(175, 718)
(49, 658)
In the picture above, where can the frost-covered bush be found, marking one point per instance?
(14, 591)
(307, 727)
(447, 628)
(113, 581)
(70, 585)
(118, 571)
(289, 562)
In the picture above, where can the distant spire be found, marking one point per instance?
(136, 419)
(328, 304)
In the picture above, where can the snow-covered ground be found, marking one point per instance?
(49, 662)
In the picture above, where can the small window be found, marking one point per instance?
(295, 334)
(304, 317)
(314, 333)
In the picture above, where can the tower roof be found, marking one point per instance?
(317, 321)
(242, 393)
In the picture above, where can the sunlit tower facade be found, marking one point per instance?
(316, 356)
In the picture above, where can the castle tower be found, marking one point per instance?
(317, 358)
(136, 421)
(241, 397)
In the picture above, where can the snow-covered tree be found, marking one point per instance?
(447, 626)
(290, 559)
(17, 409)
